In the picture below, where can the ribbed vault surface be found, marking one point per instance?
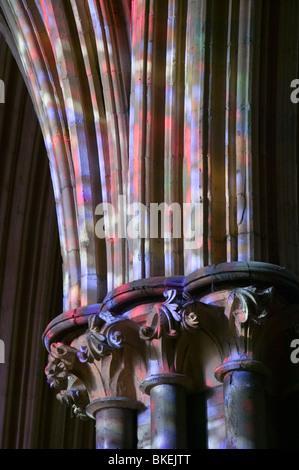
(176, 101)
(30, 276)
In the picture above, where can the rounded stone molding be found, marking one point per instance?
(204, 284)
(67, 324)
(235, 273)
(163, 379)
(111, 402)
(241, 365)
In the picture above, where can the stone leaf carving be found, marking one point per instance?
(246, 308)
(77, 400)
(171, 317)
(189, 316)
(114, 343)
(60, 364)
(100, 341)
(166, 318)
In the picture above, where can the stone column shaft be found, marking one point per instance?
(245, 410)
(168, 415)
(115, 429)
(244, 404)
(168, 410)
(116, 423)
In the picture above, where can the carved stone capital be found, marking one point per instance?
(185, 326)
(151, 330)
(117, 352)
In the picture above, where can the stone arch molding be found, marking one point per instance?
(123, 91)
(119, 119)
(66, 51)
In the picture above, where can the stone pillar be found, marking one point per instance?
(244, 403)
(116, 424)
(168, 409)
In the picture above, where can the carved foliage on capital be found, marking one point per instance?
(112, 349)
(107, 333)
(167, 328)
(117, 352)
(149, 333)
(247, 309)
(61, 361)
(170, 317)
(77, 400)
(100, 341)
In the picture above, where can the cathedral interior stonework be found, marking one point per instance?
(149, 236)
